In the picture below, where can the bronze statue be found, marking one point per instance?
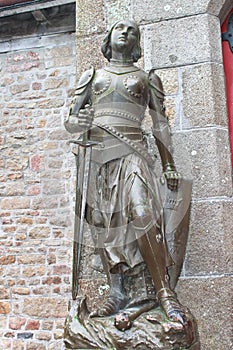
(119, 192)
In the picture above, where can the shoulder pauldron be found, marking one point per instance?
(156, 84)
(85, 79)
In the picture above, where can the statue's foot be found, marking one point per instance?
(111, 306)
(171, 306)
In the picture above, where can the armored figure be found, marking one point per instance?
(123, 202)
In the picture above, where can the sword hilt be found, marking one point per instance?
(84, 143)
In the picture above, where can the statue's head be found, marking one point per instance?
(133, 28)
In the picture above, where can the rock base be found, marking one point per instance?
(151, 330)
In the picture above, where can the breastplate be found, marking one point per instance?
(120, 95)
(119, 99)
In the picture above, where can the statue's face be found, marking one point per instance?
(124, 36)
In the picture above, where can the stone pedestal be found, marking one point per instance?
(150, 330)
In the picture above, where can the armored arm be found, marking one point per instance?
(161, 130)
(78, 115)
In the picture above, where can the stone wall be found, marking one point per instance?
(36, 190)
(182, 40)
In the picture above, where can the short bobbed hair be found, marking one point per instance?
(107, 50)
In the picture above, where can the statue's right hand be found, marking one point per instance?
(85, 117)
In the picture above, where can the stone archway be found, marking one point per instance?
(219, 8)
(226, 7)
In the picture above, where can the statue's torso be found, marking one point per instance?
(119, 98)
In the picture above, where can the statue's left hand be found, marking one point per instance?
(173, 178)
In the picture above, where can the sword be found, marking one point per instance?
(83, 160)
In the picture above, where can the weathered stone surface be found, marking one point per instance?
(35, 94)
(170, 105)
(15, 203)
(170, 80)
(209, 250)
(95, 290)
(58, 334)
(45, 307)
(37, 162)
(19, 88)
(56, 83)
(178, 42)
(56, 345)
(3, 323)
(32, 325)
(91, 56)
(90, 17)
(20, 291)
(61, 270)
(31, 259)
(210, 300)
(18, 345)
(59, 56)
(6, 260)
(26, 66)
(17, 323)
(4, 307)
(15, 189)
(38, 232)
(35, 346)
(45, 202)
(116, 10)
(217, 7)
(4, 293)
(156, 10)
(203, 155)
(40, 291)
(47, 325)
(52, 280)
(204, 102)
(43, 336)
(13, 271)
(49, 103)
(5, 344)
(31, 271)
(54, 187)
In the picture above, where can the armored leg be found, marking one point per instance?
(153, 250)
(116, 299)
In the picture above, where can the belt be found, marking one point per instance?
(132, 133)
(136, 146)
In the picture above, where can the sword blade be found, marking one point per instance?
(83, 167)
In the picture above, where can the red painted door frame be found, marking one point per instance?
(228, 68)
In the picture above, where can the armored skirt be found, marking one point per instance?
(122, 190)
